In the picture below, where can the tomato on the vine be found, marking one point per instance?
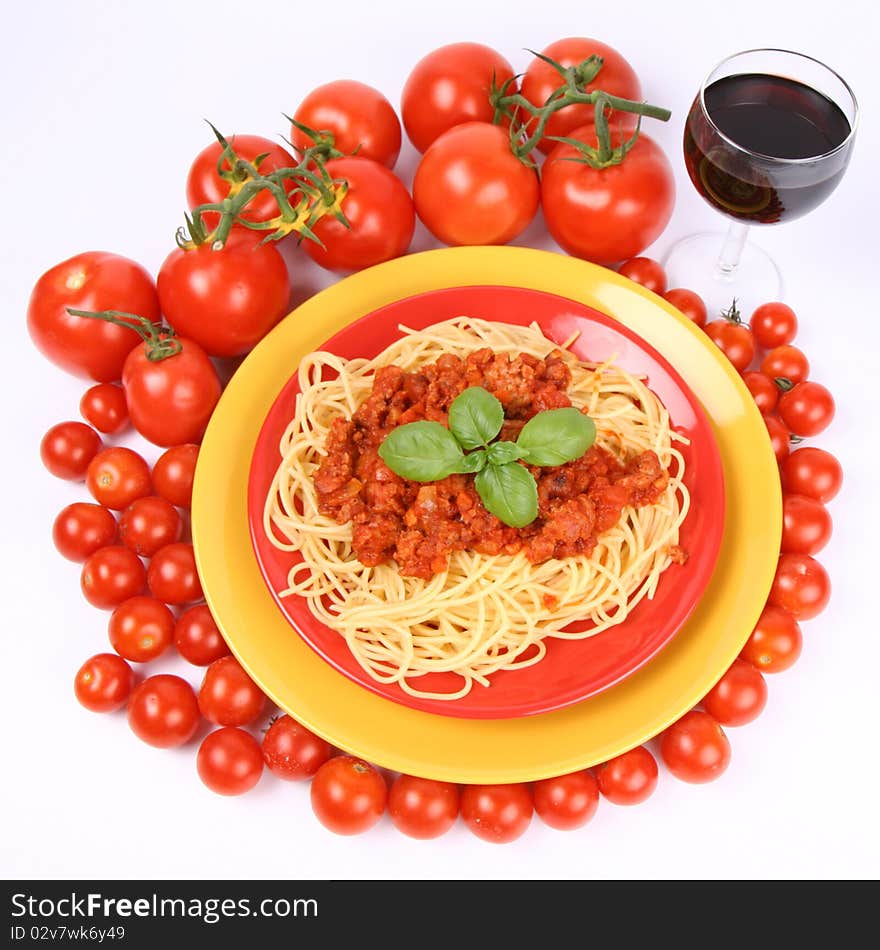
(68, 448)
(806, 525)
(118, 476)
(198, 638)
(695, 748)
(229, 761)
(228, 696)
(293, 752)
(688, 303)
(148, 524)
(497, 813)
(774, 324)
(172, 576)
(566, 802)
(104, 407)
(81, 529)
(348, 795)
(801, 586)
(103, 683)
(735, 341)
(163, 711)
(764, 391)
(630, 778)
(112, 575)
(174, 472)
(786, 362)
(775, 643)
(423, 808)
(470, 188)
(738, 697)
(780, 437)
(807, 409)
(645, 271)
(813, 472)
(141, 629)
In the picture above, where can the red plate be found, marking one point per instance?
(572, 670)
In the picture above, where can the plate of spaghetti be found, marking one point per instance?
(415, 590)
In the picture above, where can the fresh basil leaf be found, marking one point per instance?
(475, 417)
(421, 451)
(556, 436)
(509, 492)
(500, 453)
(473, 462)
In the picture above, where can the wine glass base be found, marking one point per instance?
(693, 263)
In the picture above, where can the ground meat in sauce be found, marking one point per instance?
(420, 525)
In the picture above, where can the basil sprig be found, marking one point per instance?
(428, 451)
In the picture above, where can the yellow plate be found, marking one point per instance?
(469, 750)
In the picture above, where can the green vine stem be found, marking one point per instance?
(160, 341)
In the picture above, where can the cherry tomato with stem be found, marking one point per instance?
(423, 808)
(566, 802)
(112, 575)
(81, 528)
(775, 643)
(229, 761)
(630, 778)
(764, 391)
(228, 696)
(148, 524)
(174, 472)
(141, 629)
(198, 638)
(293, 752)
(780, 437)
(738, 697)
(688, 303)
(812, 472)
(735, 341)
(774, 324)
(497, 813)
(645, 271)
(806, 525)
(172, 576)
(118, 476)
(163, 711)
(348, 795)
(103, 683)
(801, 586)
(103, 406)
(786, 362)
(68, 448)
(695, 748)
(807, 409)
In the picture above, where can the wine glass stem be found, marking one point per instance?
(731, 250)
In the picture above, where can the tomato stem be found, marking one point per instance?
(160, 341)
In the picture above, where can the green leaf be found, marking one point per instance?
(500, 453)
(421, 451)
(473, 462)
(475, 417)
(556, 436)
(509, 492)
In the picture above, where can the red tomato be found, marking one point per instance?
(449, 87)
(197, 637)
(229, 761)
(67, 449)
(362, 120)
(103, 683)
(801, 586)
(695, 749)
(645, 271)
(149, 524)
(780, 438)
(813, 472)
(104, 407)
(764, 391)
(616, 77)
(471, 189)
(774, 324)
(228, 696)
(293, 752)
(163, 711)
(786, 362)
(91, 281)
(112, 575)
(118, 476)
(806, 525)
(630, 778)
(566, 802)
(226, 300)
(378, 208)
(141, 628)
(689, 303)
(422, 808)
(738, 697)
(609, 214)
(80, 529)
(172, 576)
(775, 643)
(174, 472)
(807, 409)
(348, 795)
(497, 813)
(734, 340)
(205, 186)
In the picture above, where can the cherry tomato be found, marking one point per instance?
(775, 643)
(229, 761)
(104, 407)
(689, 303)
(362, 120)
(163, 711)
(616, 77)
(148, 524)
(293, 752)
(348, 795)
(806, 525)
(422, 808)
(645, 271)
(695, 749)
(774, 324)
(228, 696)
(103, 683)
(786, 362)
(118, 476)
(764, 391)
(630, 778)
(801, 586)
(198, 638)
(469, 187)
(609, 214)
(566, 802)
(380, 214)
(807, 409)
(734, 340)
(112, 575)
(81, 528)
(738, 697)
(141, 628)
(92, 281)
(226, 301)
(449, 87)
(172, 576)
(780, 437)
(497, 813)
(67, 449)
(812, 472)
(174, 472)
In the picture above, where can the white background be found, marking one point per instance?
(102, 114)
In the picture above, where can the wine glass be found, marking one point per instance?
(767, 139)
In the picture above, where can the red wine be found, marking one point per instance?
(741, 160)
